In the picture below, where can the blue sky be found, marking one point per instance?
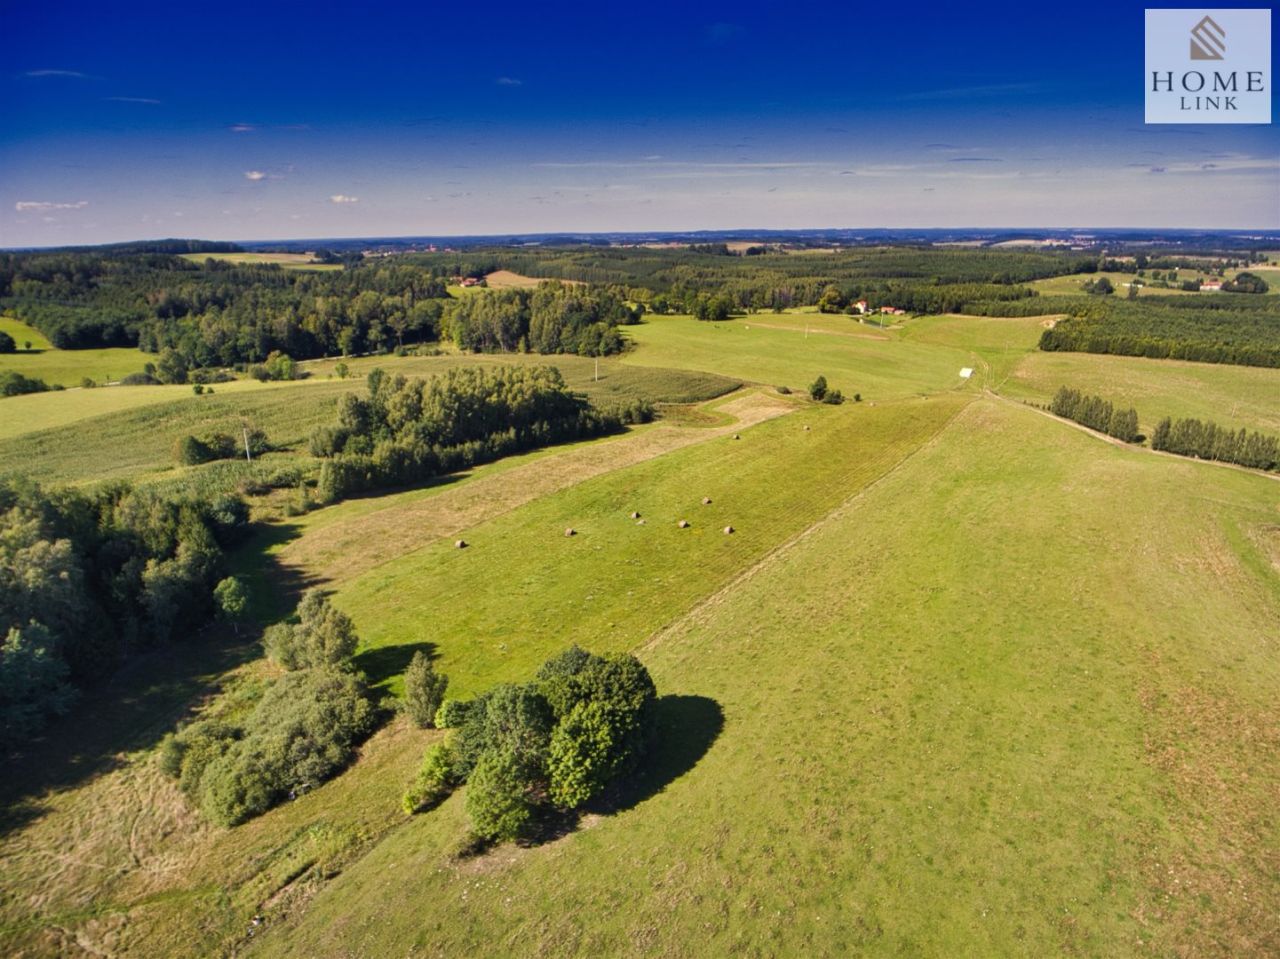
(267, 121)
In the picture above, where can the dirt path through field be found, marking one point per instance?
(345, 549)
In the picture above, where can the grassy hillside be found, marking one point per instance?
(791, 349)
(1011, 700)
(964, 680)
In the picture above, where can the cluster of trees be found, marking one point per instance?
(821, 393)
(1246, 283)
(554, 318)
(302, 730)
(89, 578)
(405, 431)
(1225, 328)
(1209, 441)
(1096, 413)
(13, 383)
(550, 745)
(192, 451)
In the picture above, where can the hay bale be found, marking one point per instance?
(706, 501)
(683, 524)
(460, 544)
(639, 522)
(728, 530)
(570, 532)
(806, 429)
(635, 515)
(736, 436)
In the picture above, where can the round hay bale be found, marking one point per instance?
(728, 530)
(706, 501)
(570, 532)
(460, 544)
(806, 429)
(683, 524)
(736, 436)
(635, 515)
(639, 522)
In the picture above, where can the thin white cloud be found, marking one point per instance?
(57, 73)
(254, 175)
(965, 93)
(508, 82)
(43, 206)
(242, 128)
(341, 198)
(146, 100)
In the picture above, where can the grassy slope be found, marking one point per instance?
(774, 349)
(137, 436)
(491, 614)
(1019, 699)
(66, 367)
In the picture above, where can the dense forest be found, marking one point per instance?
(1219, 328)
(88, 579)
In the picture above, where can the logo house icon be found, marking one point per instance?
(1208, 40)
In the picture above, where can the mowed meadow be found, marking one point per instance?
(962, 680)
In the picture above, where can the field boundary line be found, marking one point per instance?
(1134, 447)
(700, 609)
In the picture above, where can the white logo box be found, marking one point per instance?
(1206, 65)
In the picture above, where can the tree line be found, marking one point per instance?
(404, 431)
(1096, 413)
(1209, 441)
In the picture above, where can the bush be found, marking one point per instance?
(323, 636)
(834, 398)
(451, 714)
(139, 379)
(784, 390)
(423, 690)
(7, 343)
(303, 730)
(13, 383)
(435, 779)
(818, 388)
(498, 797)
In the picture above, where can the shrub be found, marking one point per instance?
(784, 390)
(818, 388)
(303, 730)
(423, 690)
(434, 781)
(13, 383)
(323, 636)
(7, 343)
(833, 398)
(451, 714)
(498, 797)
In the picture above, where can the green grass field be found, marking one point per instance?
(1073, 285)
(965, 680)
(66, 367)
(792, 349)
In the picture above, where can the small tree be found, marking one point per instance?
(818, 388)
(232, 600)
(423, 690)
(498, 797)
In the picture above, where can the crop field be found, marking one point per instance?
(287, 261)
(66, 367)
(962, 680)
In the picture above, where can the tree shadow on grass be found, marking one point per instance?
(384, 662)
(685, 728)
